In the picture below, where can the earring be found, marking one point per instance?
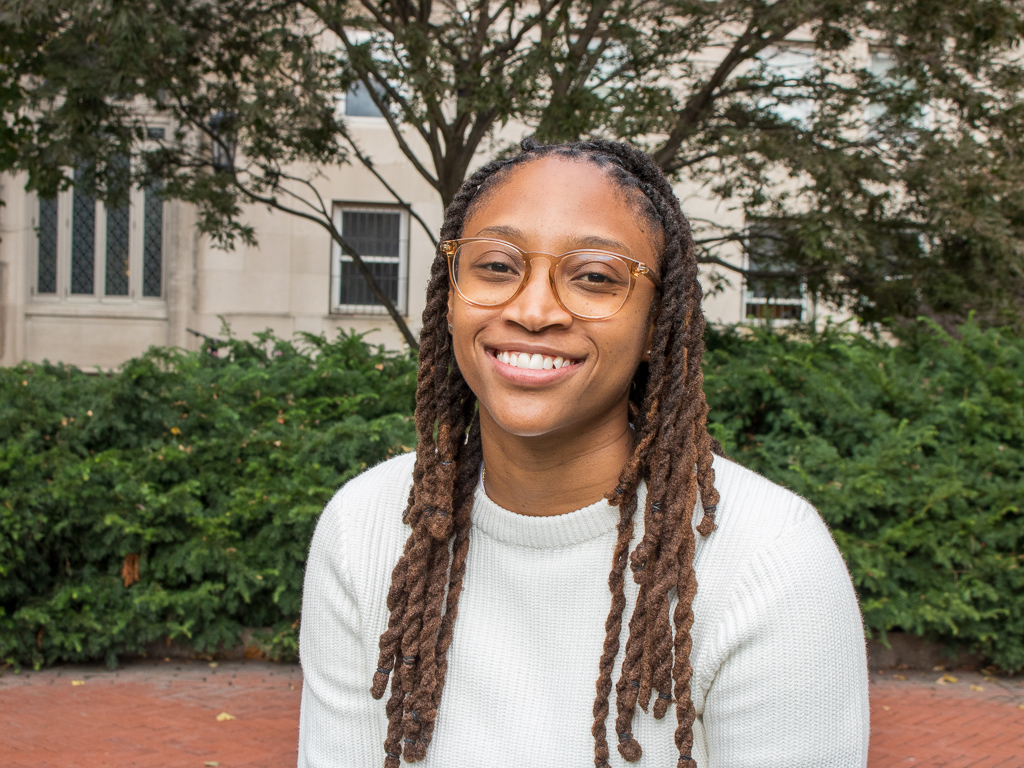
(450, 328)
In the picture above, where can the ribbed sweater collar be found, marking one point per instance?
(546, 532)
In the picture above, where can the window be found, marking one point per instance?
(776, 299)
(882, 66)
(88, 249)
(787, 67)
(359, 102)
(380, 234)
(878, 67)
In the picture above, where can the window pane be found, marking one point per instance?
(152, 252)
(359, 103)
(354, 289)
(775, 311)
(83, 241)
(377, 236)
(117, 252)
(786, 67)
(372, 233)
(47, 272)
(765, 250)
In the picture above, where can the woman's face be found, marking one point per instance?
(555, 205)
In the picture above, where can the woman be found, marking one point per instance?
(562, 433)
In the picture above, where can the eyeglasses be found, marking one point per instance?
(590, 285)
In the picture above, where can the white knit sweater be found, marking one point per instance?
(780, 676)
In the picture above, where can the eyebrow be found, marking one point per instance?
(575, 242)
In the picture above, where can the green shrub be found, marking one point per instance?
(914, 455)
(210, 469)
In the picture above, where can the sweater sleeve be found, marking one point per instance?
(337, 722)
(791, 681)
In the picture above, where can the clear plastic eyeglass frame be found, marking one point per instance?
(636, 269)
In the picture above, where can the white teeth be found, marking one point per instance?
(533, 362)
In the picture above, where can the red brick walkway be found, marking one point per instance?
(164, 715)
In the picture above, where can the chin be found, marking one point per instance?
(525, 424)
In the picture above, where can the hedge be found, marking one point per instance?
(914, 455)
(176, 498)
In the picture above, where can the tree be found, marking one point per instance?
(890, 182)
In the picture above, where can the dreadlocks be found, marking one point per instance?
(672, 454)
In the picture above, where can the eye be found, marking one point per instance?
(500, 265)
(595, 272)
(487, 261)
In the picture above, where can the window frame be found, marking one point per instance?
(352, 93)
(750, 299)
(64, 242)
(337, 258)
(791, 60)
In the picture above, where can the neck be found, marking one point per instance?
(554, 474)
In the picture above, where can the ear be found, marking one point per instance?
(646, 356)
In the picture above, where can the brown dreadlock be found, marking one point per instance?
(672, 454)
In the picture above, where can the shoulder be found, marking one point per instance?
(749, 501)
(361, 530)
(770, 545)
(772, 585)
(754, 515)
(373, 495)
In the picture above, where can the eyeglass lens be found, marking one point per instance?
(589, 284)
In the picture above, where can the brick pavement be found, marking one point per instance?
(975, 722)
(164, 715)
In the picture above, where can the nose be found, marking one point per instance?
(536, 307)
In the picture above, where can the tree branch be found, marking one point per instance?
(368, 164)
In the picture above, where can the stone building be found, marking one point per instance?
(84, 284)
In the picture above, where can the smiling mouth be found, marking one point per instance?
(533, 362)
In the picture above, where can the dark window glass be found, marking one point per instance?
(83, 241)
(766, 250)
(354, 289)
(770, 311)
(117, 271)
(47, 271)
(372, 233)
(376, 235)
(359, 102)
(153, 246)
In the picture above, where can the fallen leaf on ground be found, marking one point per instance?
(224, 716)
(885, 708)
(939, 668)
(213, 665)
(899, 677)
(977, 688)
(946, 679)
(78, 682)
(989, 679)
(210, 764)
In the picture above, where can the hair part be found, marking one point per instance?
(672, 455)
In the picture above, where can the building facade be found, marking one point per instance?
(92, 286)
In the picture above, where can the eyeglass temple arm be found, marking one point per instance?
(642, 269)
